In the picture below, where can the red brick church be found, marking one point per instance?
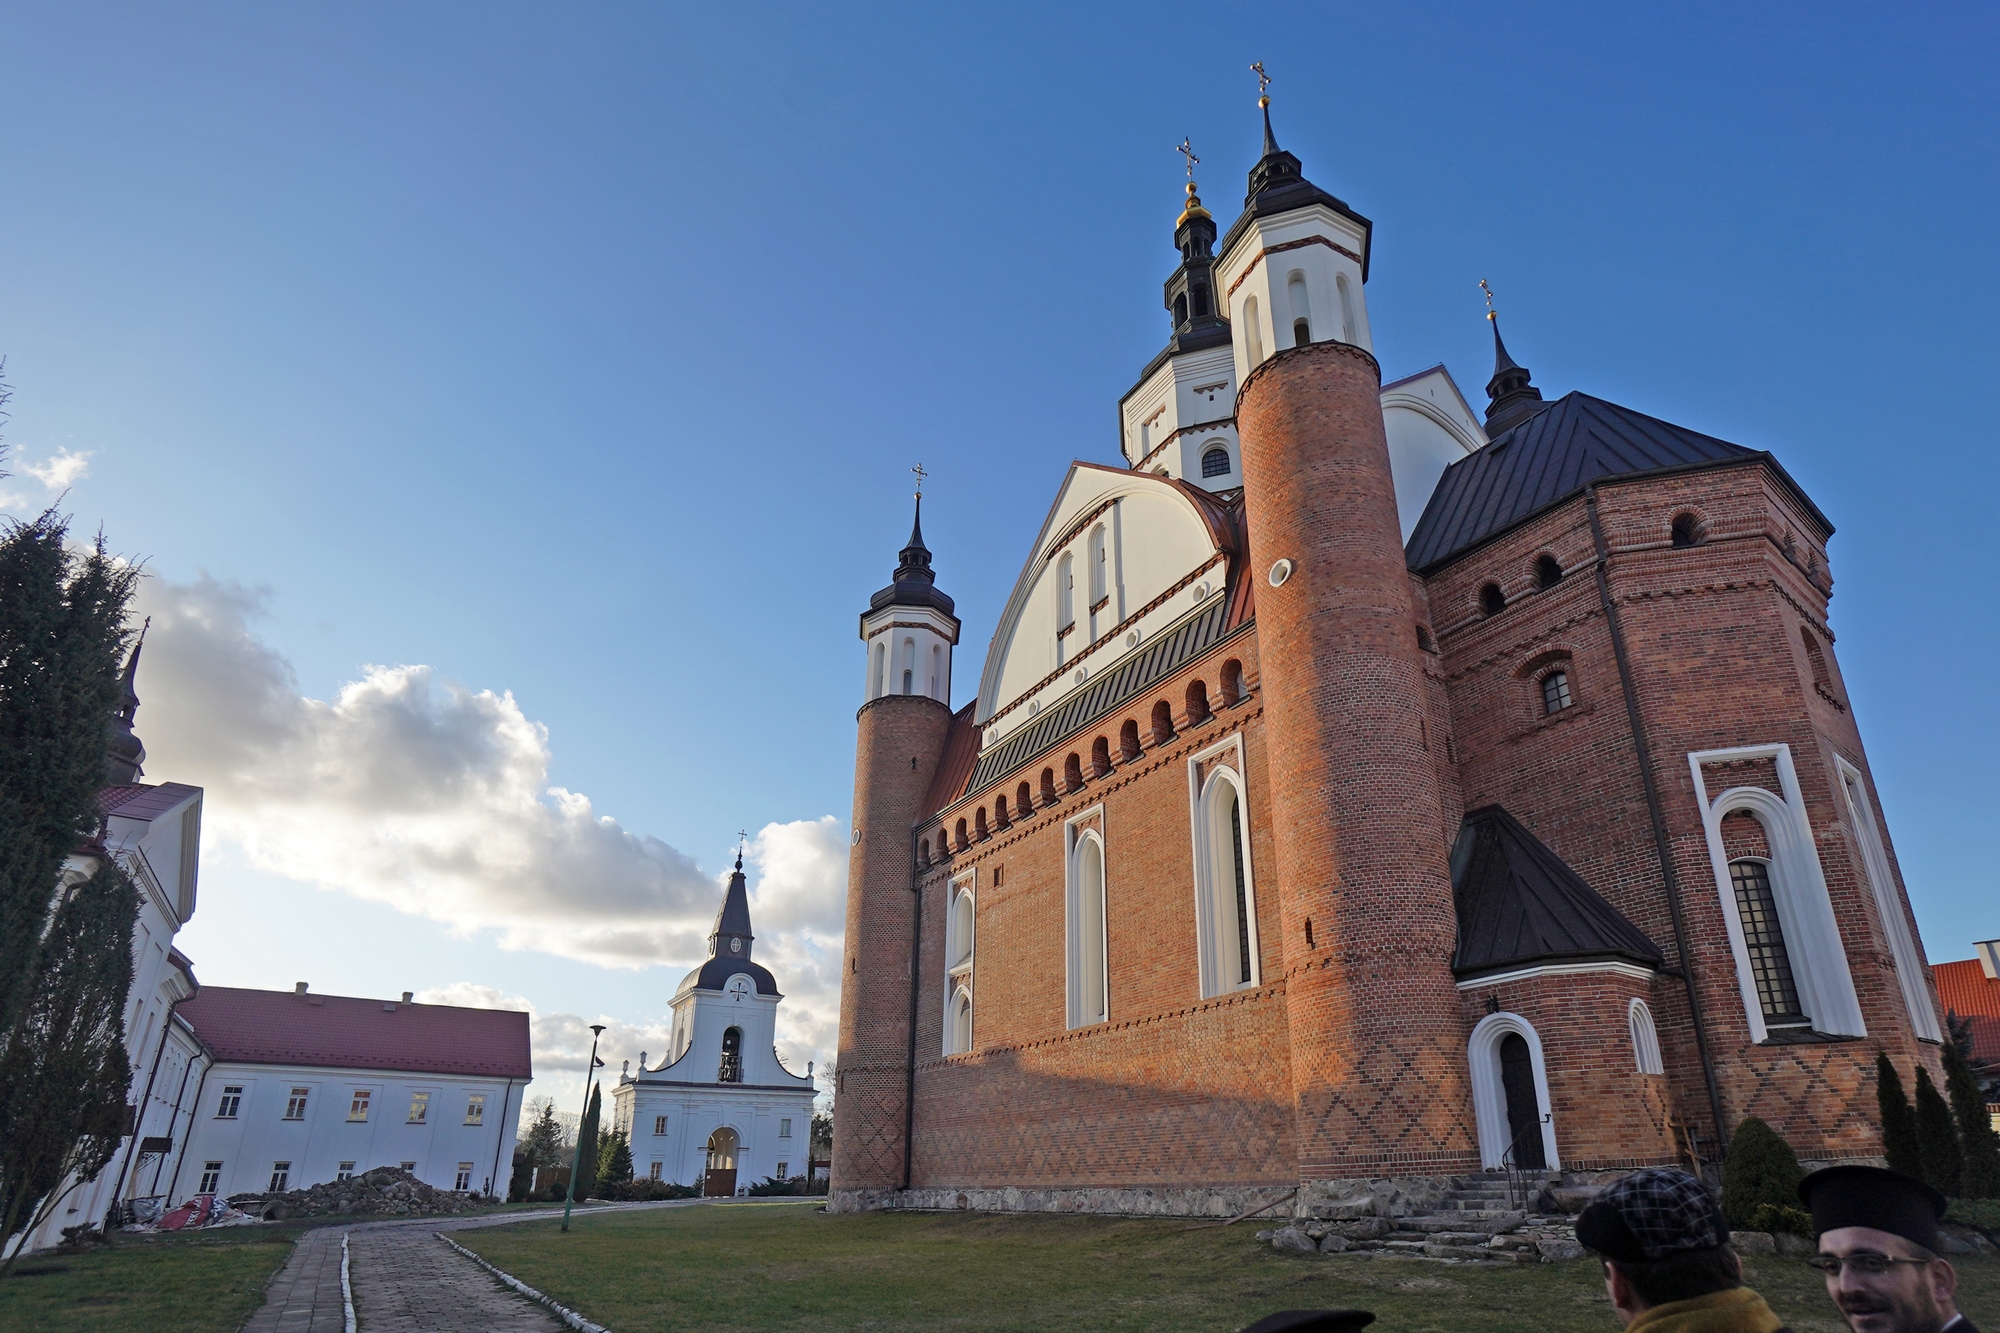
(1359, 789)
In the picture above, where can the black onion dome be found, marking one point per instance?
(1278, 184)
(915, 584)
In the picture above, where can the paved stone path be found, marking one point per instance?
(405, 1280)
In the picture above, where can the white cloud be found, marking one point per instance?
(63, 469)
(416, 792)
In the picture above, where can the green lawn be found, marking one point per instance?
(788, 1266)
(188, 1286)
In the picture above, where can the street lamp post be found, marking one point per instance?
(576, 1158)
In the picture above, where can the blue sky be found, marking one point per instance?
(581, 353)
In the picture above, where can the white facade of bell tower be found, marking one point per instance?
(909, 652)
(1292, 273)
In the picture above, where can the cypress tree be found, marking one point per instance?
(586, 1137)
(62, 632)
(1937, 1138)
(616, 1155)
(1899, 1122)
(64, 1072)
(1979, 1146)
(1761, 1168)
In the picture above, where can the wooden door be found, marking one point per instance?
(719, 1183)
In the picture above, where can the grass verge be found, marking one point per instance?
(205, 1285)
(787, 1266)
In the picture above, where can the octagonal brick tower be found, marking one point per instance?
(1378, 1047)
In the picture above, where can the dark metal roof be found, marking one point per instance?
(1278, 185)
(1518, 904)
(729, 944)
(1552, 456)
(913, 582)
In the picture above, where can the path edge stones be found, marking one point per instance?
(562, 1312)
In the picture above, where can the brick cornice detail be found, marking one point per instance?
(1251, 267)
(1310, 349)
(1196, 428)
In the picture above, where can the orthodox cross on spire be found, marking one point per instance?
(1186, 150)
(1263, 84)
(1490, 312)
(742, 840)
(921, 474)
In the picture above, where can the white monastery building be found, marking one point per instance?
(721, 1110)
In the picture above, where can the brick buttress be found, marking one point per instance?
(1378, 1042)
(896, 755)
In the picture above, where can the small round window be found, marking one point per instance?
(1215, 463)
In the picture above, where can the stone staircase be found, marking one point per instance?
(1474, 1222)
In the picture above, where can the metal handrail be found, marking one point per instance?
(1517, 1176)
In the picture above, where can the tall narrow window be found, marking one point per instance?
(961, 1022)
(731, 1069)
(659, 1124)
(475, 1108)
(1347, 325)
(281, 1176)
(420, 1107)
(958, 952)
(1645, 1039)
(1764, 938)
(878, 674)
(1065, 591)
(1253, 333)
(1226, 923)
(1295, 293)
(909, 665)
(936, 690)
(1089, 1001)
(211, 1177)
(232, 1099)
(358, 1108)
(1100, 581)
(1024, 799)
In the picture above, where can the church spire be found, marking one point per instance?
(1514, 399)
(1190, 291)
(124, 755)
(732, 935)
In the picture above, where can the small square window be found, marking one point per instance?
(784, 1170)
(410, 1167)
(232, 1100)
(281, 1175)
(346, 1171)
(357, 1110)
(463, 1180)
(475, 1109)
(420, 1108)
(653, 1173)
(659, 1124)
(211, 1177)
(1555, 692)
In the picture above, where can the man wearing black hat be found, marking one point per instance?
(1878, 1242)
(1667, 1262)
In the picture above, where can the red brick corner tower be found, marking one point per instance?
(910, 631)
(1378, 1042)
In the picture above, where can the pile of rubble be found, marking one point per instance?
(386, 1190)
(1463, 1220)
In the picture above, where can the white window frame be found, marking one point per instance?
(1489, 1094)
(1646, 1056)
(659, 1125)
(1909, 959)
(358, 1106)
(297, 1103)
(463, 1180)
(211, 1178)
(959, 955)
(653, 1170)
(230, 1105)
(420, 1108)
(1208, 863)
(475, 1108)
(345, 1171)
(1075, 834)
(1813, 942)
(281, 1178)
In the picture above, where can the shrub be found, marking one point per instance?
(1937, 1138)
(1979, 1146)
(1761, 1168)
(1774, 1218)
(524, 1171)
(650, 1190)
(1983, 1214)
(773, 1185)
(1899, 1122)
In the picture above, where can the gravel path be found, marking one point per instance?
(405, 1279)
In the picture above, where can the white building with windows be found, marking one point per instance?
(302, 1088)
(721, 1110)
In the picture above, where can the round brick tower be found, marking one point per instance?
(1378, 1048)
(902, 728)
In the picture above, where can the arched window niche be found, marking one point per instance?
(1347, 327)
(1645, 1039)
(1253, 331)
(1501, 1098)
(1089, 992)
(959, 937)
(1813, 948)
(1910, 968)
(1225, 890)
(1295, 296)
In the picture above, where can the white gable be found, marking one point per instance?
(1430, 427)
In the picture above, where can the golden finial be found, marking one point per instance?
(1490, 313)
(1193, 208)
(1263, 84)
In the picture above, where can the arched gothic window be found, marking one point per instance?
(1491, 600)
(1100, 577)
(936, 690)
(1347, 324)
(1128, 741)
(1226, 922)
(962, 842)
(979, 824)
(1295, 295)
(1049, 784)
(1253, 332)
(1764, 938)
(731, 1070)
(1089, 998)
(1232, 683)
(1215, 463)
(1197, 703)
(878, 674)
(1100, 757)
(1024, 800)
(1073, 773)
(961, 1023)
(1548, 572)
(1686, 531)
(1163, 722)
(1645, 1039)
(909, 666)
(959, 952)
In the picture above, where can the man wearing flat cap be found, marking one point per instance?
(1667, 1262)
(1878, 1243)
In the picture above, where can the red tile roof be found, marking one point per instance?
(269, 1027)
(1968, 992)
(142, 800)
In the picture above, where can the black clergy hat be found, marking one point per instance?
(1313, 1321)
(1870, 1196)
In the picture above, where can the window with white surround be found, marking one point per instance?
(346, 1171)
(1346, 307)
(1065, 602)
(475, 1109)
(785, 1127)
(1089, 991)
(1295, 296)
(211, 1177)
(1510, 1094)
(1910, 969)
(295, 1105)
(959, 925)
(1225, 896)
(232, 1099)
(358, 1108)
(411, 1167)
(653, 1172)
(1215, 463)
(281, 1175)
(659, 1124)
(1253, 331)
(462, 1180)
(1645, 1039)
(420, 1107)
(1791, 960)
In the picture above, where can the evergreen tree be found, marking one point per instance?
(1899, 1122)
(524, 1172)
(64, 1073)
(1937, 1138)
(544, 1140)
(615, 1154)
(586, 1137)
(1979, 1146)
(62, 632)
(1761, 1168)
